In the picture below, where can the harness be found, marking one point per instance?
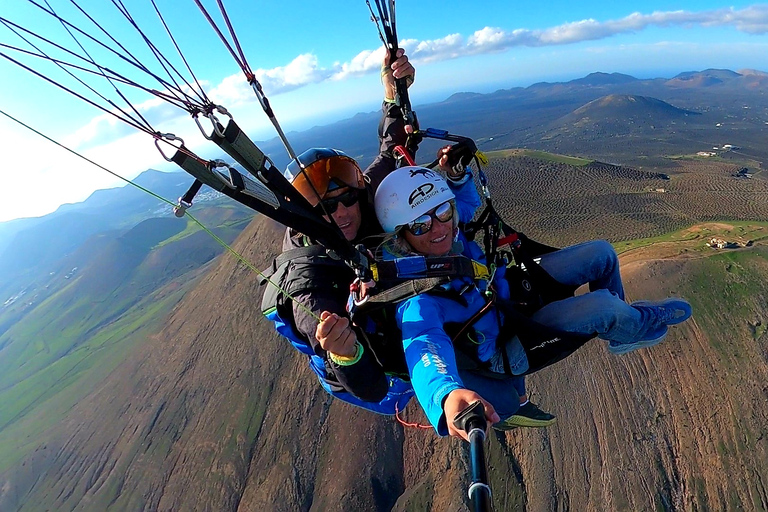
(309, 268)
(531, 288)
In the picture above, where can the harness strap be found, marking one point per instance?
(473, 320)
(417, 267)
(299, 252)
(404, 291)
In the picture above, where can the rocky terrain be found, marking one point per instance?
(216, 413)
(213, 411)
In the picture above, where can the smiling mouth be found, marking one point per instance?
(439, 239)
(345, 225)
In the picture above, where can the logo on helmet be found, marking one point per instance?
(422, 171)
(421, 192)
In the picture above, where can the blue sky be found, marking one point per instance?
(319, 62)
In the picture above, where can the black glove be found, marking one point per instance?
(459, 157)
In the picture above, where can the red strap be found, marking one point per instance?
(400, 150)
(509, 239)
(406, 424)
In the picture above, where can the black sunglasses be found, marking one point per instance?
(331, 204)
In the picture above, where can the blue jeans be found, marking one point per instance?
(602, 311)
(504, 394)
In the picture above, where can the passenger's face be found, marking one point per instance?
(435, 242)
(348, 218)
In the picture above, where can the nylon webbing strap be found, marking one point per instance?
(292, 211)
(418, 267)
(299, 252)
(198, 170)
(235, 185)
(237, 145)
(193, 190)
(404, 291)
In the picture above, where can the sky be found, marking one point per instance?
(318, 62)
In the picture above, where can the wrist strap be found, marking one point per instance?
(348, 360)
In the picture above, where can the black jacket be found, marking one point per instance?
(365, 379)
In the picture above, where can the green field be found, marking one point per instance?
(743, 230)
(541, 155)
(60, 346)
(39, 401)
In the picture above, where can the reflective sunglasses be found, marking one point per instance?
(316, 177)
(423, 224)
(331, 204)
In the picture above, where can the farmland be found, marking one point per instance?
(562, 204)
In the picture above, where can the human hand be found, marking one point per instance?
(453, 170)
(335, 335)
(400, 68)
(458, 400)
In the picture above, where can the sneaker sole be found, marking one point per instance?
(631, 347)
(521, 421)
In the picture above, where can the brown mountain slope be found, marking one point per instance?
(678, 427)
(179, 426)
(216, 413)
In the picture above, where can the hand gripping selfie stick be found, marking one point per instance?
(472, 421)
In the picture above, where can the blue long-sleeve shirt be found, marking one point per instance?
(428, 349)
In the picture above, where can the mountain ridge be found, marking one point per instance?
(198, 403)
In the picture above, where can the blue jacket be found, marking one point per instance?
(428, 349)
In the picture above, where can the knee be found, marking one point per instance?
(606, 250)
(599, 301)
(604, 247)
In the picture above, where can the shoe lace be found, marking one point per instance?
(669, 313)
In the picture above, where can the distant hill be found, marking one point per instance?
(31, 247)
(527, 117)
(598, 79)
(621, 107)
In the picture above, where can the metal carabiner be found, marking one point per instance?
(217, 128)
(167, 137)
(358, 290)
(212, 164)
(181, 208)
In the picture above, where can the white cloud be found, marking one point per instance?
(305, 69)
(232, 90)
(430, 50)
(362, 63)
(108, 127)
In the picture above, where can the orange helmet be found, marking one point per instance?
(317, 171)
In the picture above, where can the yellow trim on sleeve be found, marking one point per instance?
(348, 360)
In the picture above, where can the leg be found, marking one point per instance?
(593, 262)
(528, 415)
(599, 312)
(501, 393)
(519, 384)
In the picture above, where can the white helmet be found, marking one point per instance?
(408, 193)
